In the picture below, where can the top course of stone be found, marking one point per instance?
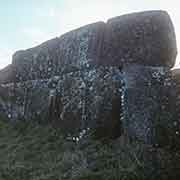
(145, 38)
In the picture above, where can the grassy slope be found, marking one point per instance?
(32, 152)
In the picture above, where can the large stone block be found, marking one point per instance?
(97, 77)
(73, 51)
(176, 123)
(26, 100)
(73, 102)
(90, 100)
(149, 104)
(7, 74)
(145, 38)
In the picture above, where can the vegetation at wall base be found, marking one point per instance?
(29, 151)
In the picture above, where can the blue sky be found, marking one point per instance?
(27, 23)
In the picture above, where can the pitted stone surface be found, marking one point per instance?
(72, 102)
(149, 102)
(7, 74)
(71, 52)
(88, 100)
(111, 78)
(25, 100)
(176, 122)
(145, 38)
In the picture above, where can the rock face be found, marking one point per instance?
(145, 38)
(176, 123)
(112, 78)
(71, 52)
(149, 102)
(7, 74)
(74, 102)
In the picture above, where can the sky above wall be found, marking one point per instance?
(27, 23)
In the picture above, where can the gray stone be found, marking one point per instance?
(145, 38)
(103, 77)
(7, 74)
(176, 122)
(88, 100)
(28, 100)
(149, 103)
(74, 102)
(71, 52)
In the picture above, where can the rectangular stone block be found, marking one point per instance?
(25, 101)
(149, 104)
(74, 102)
(71, 52)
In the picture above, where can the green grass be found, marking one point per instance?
(29, 151)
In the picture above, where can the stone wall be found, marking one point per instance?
(176, 122)
(146, 38)
(71, 52)
(149, 103)
(112, 78)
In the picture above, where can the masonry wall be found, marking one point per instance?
(111, 77)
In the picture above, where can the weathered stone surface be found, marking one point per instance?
(28, 100)
(73, 51)
(104, 101)
(7, 74)
(102, 77)
(149, 103)
(89, 99)
(75, 102)
(146, 38)
(176, 122)
(36, 63)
